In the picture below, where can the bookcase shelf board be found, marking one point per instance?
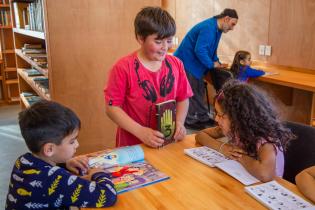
(35, 34)
(24, 101)
(10, 69)
(11, 81)
(4, 6)
(8, 51)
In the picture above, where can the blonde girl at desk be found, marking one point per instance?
(256, 137)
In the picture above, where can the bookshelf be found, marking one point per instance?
(83, 39)
(30, 47)
(9, 82)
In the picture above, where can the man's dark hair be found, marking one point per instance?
(154, 20)
(46, 122)
(227, 12)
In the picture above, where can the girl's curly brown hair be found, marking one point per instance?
(252, 116)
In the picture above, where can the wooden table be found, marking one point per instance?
(192, 185)
(295, 79)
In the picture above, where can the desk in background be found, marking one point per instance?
(192, 185)
(295, 89)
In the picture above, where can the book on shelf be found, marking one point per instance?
(33, 72)
(127, 168)
(31, 98)
(32, 46)
(212, 158)
(29, 15)
(42, 83)
(5, 19)
(34, 51)
(166, 119)
(275, 196)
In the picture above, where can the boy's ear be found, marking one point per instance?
(242, 62)
(49, 149)
(140, 39)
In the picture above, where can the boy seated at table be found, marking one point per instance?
(50, 131)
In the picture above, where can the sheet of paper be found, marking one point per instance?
(236, 170)
(275, 196)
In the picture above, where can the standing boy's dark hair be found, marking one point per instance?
(154, 20)
(236, 65)
(46, 122)
(227, 12)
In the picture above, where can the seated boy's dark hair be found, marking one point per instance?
(154, 20)
(46, 122)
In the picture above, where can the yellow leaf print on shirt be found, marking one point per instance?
(102, 199)
(18, 163)
(54, 185)
(23, 192)
(31, 171)
(76, 193)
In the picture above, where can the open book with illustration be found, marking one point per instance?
(166, 119)
(213, 158)
(127, 168)
(274, 196)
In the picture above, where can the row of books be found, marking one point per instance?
(5, 19)
(29, 16)
(42, 83)
(31, 98)
(33, 72)
(37, 53)
(270, 194)
(38, 79)
(4, 2)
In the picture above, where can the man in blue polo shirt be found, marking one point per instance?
(198, 51)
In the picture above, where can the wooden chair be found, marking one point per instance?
(218, 77)
(300, 153)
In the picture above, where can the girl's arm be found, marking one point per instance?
(147, 135)
(208, 137)
(305, 181)
(253, 73)
(181, 112)
(265, 167)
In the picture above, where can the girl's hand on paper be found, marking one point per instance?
(233, 152)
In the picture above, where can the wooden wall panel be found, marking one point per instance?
(292, 32)
(189, 13)
(251, 30)
(85, 38)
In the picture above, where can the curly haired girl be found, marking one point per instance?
(256, 137)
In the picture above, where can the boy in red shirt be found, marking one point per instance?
(144, 78)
